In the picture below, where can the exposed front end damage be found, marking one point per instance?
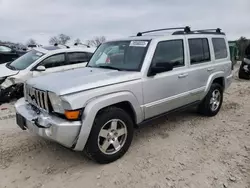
(10, 89)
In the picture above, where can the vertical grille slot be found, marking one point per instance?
(37, 97)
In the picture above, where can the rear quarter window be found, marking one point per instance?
(220, 48)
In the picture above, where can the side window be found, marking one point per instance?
(77, 57)
(220, 48)
(54, 61)
(5, 49)
(171, 51)
(199, 50)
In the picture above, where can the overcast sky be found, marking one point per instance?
(21, 20)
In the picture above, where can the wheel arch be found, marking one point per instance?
(125, 100)
(217, 77)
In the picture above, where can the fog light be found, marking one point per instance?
(49, 131)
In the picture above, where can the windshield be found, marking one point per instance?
(25, 60)
(120, 55)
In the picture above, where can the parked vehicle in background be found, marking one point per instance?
(244, 71)
(95, 109)
(37, 62)
(31, 46)
(234, 52)
(8, 54)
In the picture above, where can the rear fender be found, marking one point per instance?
(93, 107)
(211, 78)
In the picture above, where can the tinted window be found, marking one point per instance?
(4, 49)
(220, 48)
(54, 61)
(170, 52)
(77, 57)
(199, 50)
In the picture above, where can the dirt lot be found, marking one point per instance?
(182, 150)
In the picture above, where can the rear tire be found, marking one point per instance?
(211, 104)
(111, 135)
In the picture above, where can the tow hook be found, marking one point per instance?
(35, 121)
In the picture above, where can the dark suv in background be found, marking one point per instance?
(8, 54)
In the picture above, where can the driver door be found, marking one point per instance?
(166, 91)
(54, 63)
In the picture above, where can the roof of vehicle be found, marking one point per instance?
(56, 49)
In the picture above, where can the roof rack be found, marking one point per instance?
(185, 30)
(216, 31)
(56, 44)
(76, 44)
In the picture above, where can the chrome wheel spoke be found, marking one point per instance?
(121, 132)
(116, 144)
(114, 125)
(105, 145)
(104, 133)
(217, 94)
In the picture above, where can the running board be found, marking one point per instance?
(182, 108)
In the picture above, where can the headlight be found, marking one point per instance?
(56, 103)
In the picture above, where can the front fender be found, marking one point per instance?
(212, 77)
(99, 103)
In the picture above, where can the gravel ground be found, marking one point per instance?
(181, 150)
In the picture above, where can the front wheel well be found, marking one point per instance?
(127, 107)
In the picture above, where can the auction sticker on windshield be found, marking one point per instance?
(138, 43)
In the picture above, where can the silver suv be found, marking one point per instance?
(95, 109)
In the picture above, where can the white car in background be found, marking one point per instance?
(37, 62)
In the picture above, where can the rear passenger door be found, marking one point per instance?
(76, 60)
(200, 66)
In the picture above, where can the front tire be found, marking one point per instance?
(111, 135)
(211, 104)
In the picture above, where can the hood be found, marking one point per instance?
(81, 79)
(4, 71)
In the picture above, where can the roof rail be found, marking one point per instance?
(76, 44)
(202, 31)
(56, 44)
(185, 30)
(217, 30)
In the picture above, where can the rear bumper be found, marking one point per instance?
(48, 126)
(228, 81)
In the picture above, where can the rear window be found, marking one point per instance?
(220, 48)
(199, 50)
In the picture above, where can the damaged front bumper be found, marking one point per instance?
(46, 125)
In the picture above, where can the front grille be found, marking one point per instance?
(37, 97)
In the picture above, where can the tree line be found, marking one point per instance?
(64, 39)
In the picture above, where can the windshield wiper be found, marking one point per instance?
(10, 66)
(109, 67)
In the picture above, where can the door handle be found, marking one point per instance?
(210, 69)
(183, 75)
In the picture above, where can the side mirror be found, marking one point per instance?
(160, 67)
(40, 68)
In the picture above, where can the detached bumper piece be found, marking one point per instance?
(46, 125)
